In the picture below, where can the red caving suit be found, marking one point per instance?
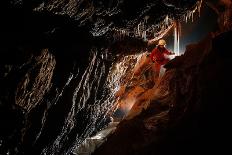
(158, 57)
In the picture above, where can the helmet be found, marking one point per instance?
(162, 42)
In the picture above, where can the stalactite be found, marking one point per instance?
(199, 4)
(159, 30)
(142, 30)
(190, 14)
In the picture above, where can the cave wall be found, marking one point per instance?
(50, 77)
(189, 109)
(53, 67)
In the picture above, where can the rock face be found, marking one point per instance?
(54, 61)
(37, 81)
(184, 108)
(223, 8)
(179, 115)
(23, 88)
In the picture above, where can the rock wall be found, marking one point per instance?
(55, 57)
(36, 82)
(189, 109)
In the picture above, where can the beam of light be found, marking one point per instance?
(177, 38)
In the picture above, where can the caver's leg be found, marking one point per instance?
(156, 69)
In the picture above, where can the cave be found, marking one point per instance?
(76, 77)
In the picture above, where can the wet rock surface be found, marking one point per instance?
(55, 58)
(36, 82)
(184, 107)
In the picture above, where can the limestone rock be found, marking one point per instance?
(36, 82)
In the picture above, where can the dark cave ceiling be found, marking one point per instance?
(102, 16)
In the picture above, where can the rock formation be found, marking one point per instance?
(55, 59)
(179, 114)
